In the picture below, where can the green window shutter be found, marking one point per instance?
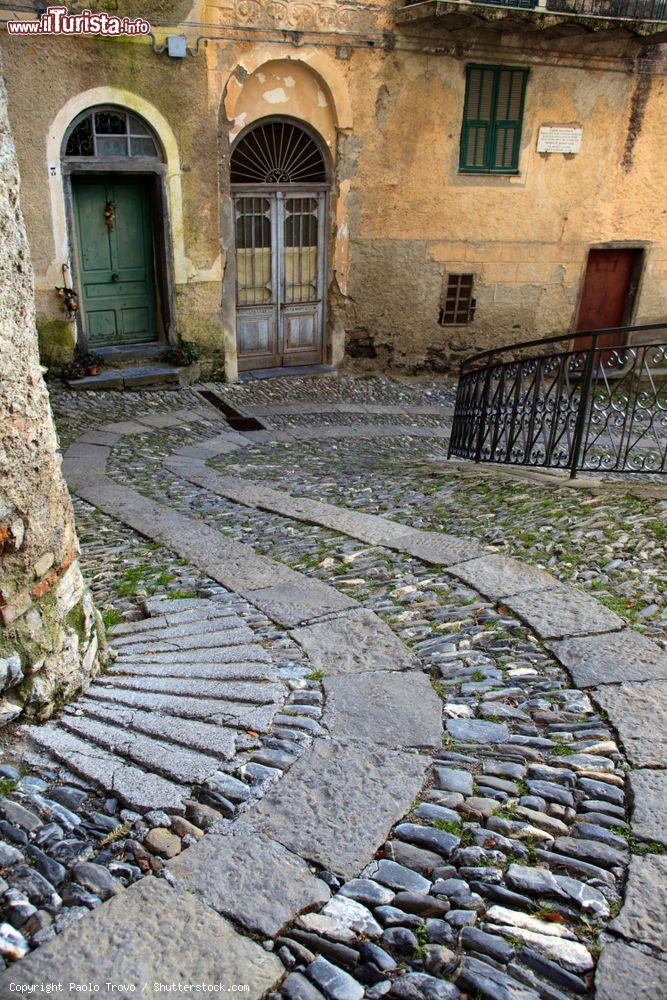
(492, 118)
(477, 119)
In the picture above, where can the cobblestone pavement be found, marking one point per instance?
(469, 837)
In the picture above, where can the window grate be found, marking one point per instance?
(277, 153)
(110, 132)
(457, 305)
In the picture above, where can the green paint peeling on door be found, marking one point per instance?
(115, 256)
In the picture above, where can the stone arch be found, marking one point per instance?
(312, 89)
(57, 130)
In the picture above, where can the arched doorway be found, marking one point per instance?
(280, 178)
(113, 166)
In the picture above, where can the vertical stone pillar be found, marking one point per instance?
(50, 633)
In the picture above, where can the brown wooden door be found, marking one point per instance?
(609, 288)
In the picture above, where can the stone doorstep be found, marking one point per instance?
(626, 973)
(648, 790)
(150, 932)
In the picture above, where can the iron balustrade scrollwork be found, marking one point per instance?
(595, 402)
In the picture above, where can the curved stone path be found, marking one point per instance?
(383, 729)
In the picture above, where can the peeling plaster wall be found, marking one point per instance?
(401, 215)
(50, 634)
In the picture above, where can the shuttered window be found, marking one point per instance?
(492, 117)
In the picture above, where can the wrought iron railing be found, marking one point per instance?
(596, 403)
(633, 10)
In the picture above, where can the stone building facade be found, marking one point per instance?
(401, 184)
(51, 637)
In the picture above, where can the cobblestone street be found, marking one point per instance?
(377, 723)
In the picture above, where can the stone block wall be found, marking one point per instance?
(51, 636)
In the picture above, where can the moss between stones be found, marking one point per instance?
(57, 340)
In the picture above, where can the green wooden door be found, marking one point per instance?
(116, 271)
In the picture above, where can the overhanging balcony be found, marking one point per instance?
(644, 19)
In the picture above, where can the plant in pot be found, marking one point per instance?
(183, 354)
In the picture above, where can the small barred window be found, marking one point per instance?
(457, 304)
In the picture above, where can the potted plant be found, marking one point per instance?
(183, 354)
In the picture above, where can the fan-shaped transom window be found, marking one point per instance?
(277, 152)
(111, 132)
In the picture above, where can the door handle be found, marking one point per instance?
(115, 276)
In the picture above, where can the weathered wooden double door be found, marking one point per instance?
(280, 250)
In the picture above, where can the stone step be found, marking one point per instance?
(255, 694)
(136, 788)
(211, 739)
(221, 637)
(134, 377)
(228, 654)
(164, 621)
(167, 759)
(197, 625)
(166, 605)
(212, 671)
(255, 717)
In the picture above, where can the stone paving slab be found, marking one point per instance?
(109, 438)
(437, 548)
(626, 973)
(123, 427)
(563, 611)
(614, 657)
(210, 739)
(149, 933)
(294, 604)
(648, 789)
(366, 527)
(382, 705)
(354, 642)
(172, 761)
(497, 576)
(255, 717)
(638, 712)
(316, 809)
(644, 914)
(136, 788)
(231, 563)
(244, 875)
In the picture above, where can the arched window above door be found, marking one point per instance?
(278, 152)
(110, 133)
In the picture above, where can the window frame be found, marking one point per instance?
(494, 122)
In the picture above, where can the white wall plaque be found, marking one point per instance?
(559, 139)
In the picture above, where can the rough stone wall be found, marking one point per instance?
(50, 633)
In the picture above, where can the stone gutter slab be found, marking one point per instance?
(391, 709)
(337, 804)
(242, 874)
(638, 712)
(616, 657)
(149, 933)
(354, 642)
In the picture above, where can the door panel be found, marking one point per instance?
(301, 313)
(279, 279)
(116, 266)
(608, 293)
